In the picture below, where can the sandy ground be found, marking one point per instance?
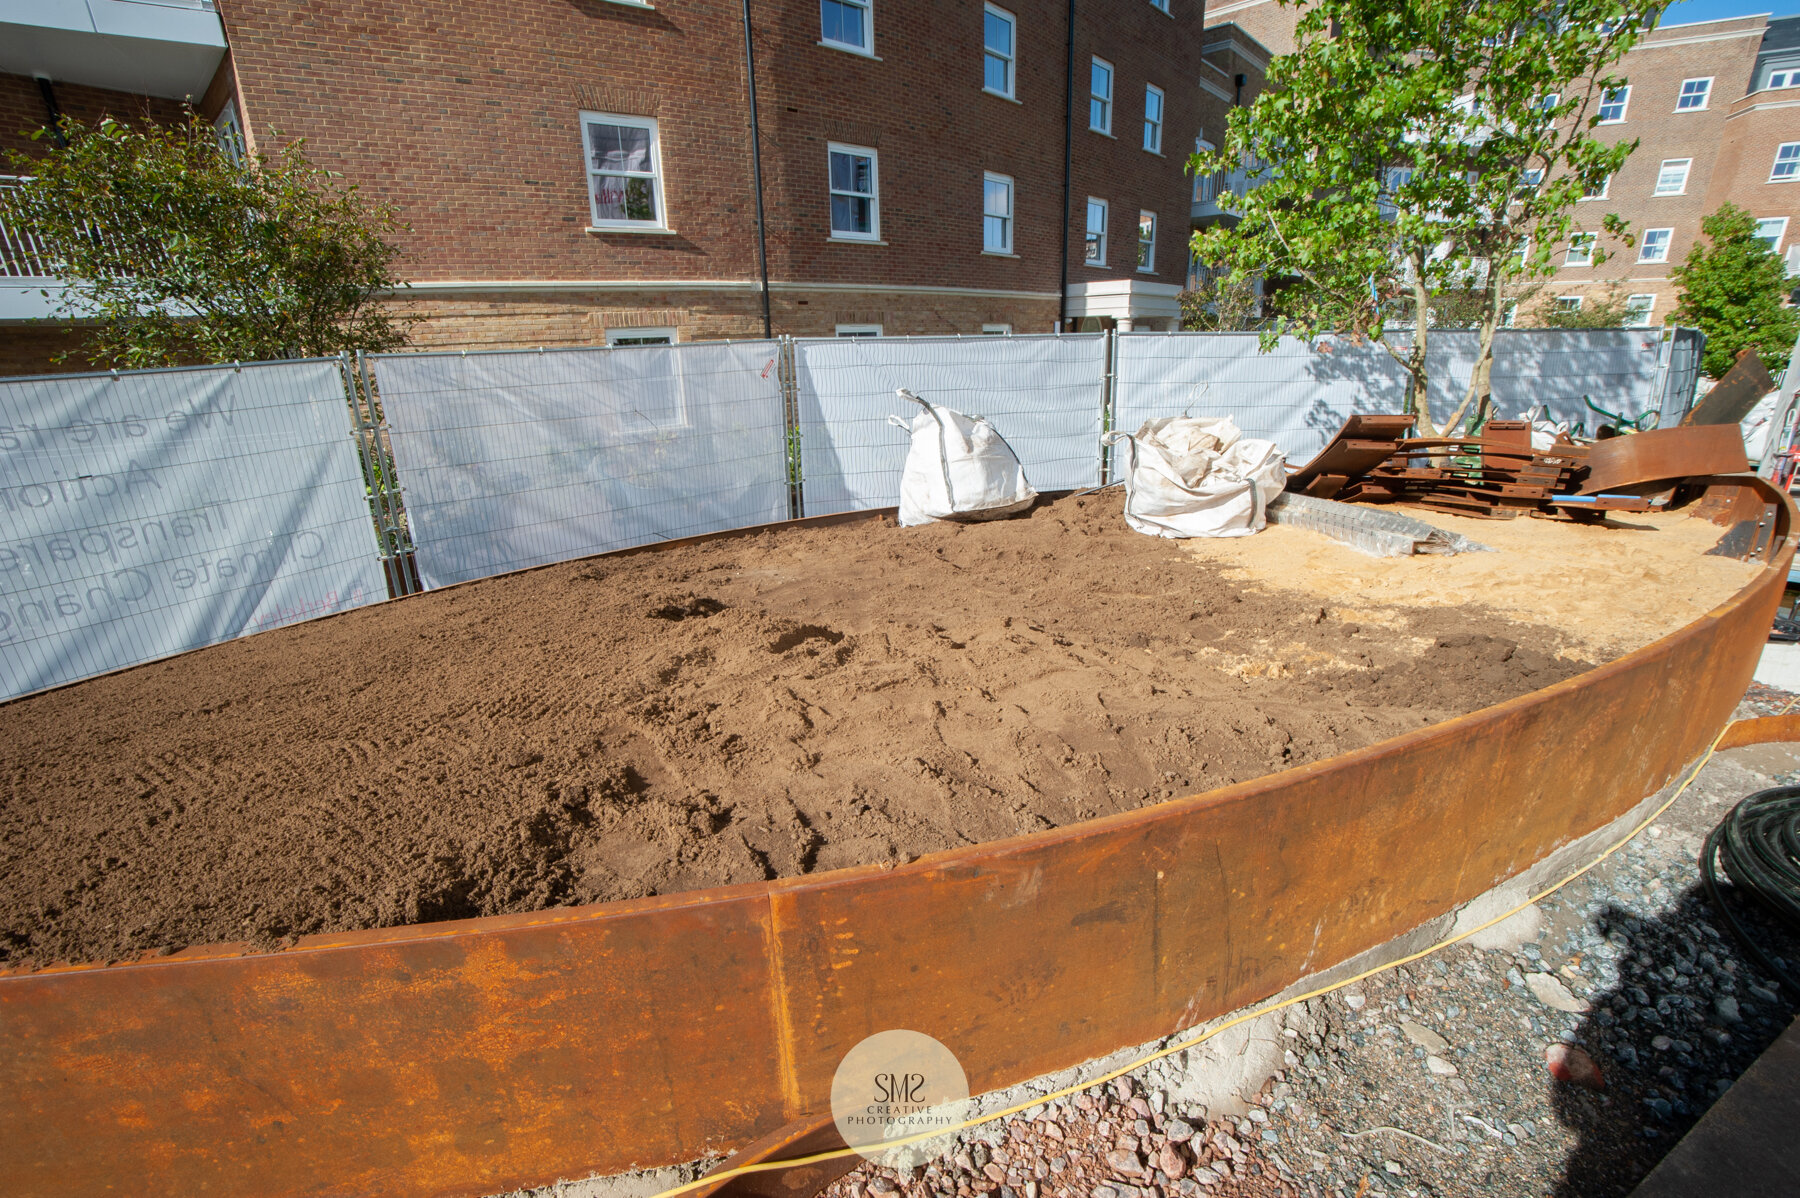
(1598, 591)
(763, 706)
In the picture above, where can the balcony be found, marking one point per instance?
(1208, 188)
(167, 48)
(23, 279)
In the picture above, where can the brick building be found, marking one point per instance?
(1715, 108)
(582, 171)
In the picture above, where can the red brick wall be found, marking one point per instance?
(22, 110)
(1724, 50)
(467, 118)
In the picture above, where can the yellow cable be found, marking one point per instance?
(839, 1153)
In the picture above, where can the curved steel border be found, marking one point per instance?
(474, 1056)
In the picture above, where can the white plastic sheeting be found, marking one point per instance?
(512, 460)
(1301, 392)
(1043, 394)
(148, 513)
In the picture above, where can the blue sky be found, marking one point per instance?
(1715, 10)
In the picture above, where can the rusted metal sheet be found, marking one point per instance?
(1762, 731)
(1733, 396)
(1663, 455)
(467, 1058)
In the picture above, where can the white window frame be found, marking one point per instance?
(1667, 244)
(1582, 243)
(874, 195)
(619, 336)
(1568, 303)
(1780, 233)
(1161, 6)
(1787, 77)
(858, 330)
(1106, 101)
(996, 330)
(1624, 94)
(1792, 150)
(1004, 250)
(659, 222)
(229, 131)
(1153, 130)
(1686, 165)
(1642, 321)
(868, 8)
(1605, 186)
(1705, 95)
(1011, 60)
(1146, 257)
(1088, 230)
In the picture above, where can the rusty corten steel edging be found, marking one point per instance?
(468, 1058)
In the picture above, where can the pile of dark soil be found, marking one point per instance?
(754, 707)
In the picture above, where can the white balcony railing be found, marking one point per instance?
(21, 254)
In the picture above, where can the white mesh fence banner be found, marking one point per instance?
(149, 513)
(1042, 393)
(511, 460)
(1299, 394)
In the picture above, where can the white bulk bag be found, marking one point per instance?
(1198, 477)
(958, 468)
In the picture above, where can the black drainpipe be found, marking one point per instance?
(56, 117)
(762, 236)
(1062, 314)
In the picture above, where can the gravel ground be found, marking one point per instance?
(1432, 1079)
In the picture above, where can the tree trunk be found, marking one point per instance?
(1480, 393)
(1419, 399)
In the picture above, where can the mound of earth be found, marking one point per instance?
(753, 707)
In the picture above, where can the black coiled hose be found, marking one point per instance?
(1758, 843)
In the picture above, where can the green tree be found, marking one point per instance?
(1733, 292)
(1222, 301)
(1410, 151)
(184, 250)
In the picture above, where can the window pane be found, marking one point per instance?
(1769, 232)
(1693, 94)
(1787, 162)
(995, 74)
(620, 147)
(1146, 240)
(840, 22)
(1096, 114)
(1101, 82)
(993, 234)
(1153, 106)
(996, 198)
(852, 172)
(624, 197)
(998, 33)
(851, 214)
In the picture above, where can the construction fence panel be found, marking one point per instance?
(153, 512)
(1620, 370)
(517, 459)
(1300, 392)
(1297, 395)
(1042, 393)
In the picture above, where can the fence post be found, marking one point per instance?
(1109, 380)
(789, 374)
(384, 492)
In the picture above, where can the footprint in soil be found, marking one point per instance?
(689, 606)
(802, 633)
